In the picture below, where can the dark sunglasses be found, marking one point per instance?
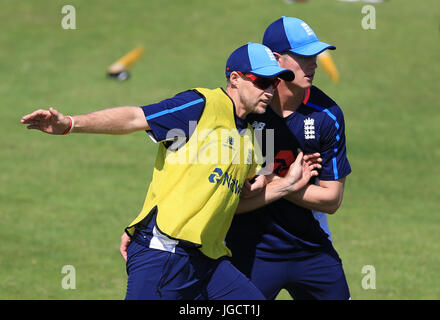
(260, 82)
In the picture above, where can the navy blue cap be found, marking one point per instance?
(294, 35)
(257, 59)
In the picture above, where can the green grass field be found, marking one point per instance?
(64, 200)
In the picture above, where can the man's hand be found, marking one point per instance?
(50, 121)
(125, 241)
(311, 163)
(302, 170)
(313, 158)
(250, 190)
(272, 187)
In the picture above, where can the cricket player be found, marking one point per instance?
(287, 244)
(177, 248)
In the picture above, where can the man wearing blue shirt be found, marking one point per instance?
(177, 249)
(287, 243)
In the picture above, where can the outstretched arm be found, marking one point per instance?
(119, 120)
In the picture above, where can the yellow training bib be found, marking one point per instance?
(196, 189)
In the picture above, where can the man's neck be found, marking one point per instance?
(239, 110)
(287, 99)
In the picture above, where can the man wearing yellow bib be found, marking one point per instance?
(206, 153)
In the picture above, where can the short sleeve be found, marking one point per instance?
(173, 117)
(335, 164)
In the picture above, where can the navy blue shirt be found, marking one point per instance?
(283, 228)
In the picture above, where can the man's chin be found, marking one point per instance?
(308, 84)
(261, 109)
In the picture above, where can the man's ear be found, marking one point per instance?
(233, 79)
(277, 56)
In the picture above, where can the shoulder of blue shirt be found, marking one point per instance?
(321, 101)
(177, 112)
(317, 101)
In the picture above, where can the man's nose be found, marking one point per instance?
(269, 91)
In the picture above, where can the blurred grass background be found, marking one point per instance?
(65, 200)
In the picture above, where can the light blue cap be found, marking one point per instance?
(294, 35)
